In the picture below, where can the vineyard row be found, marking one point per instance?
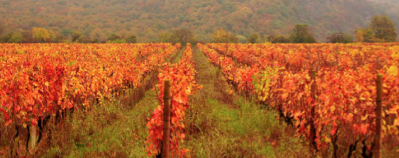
(330, 104)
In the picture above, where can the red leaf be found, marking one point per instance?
(34, 122)
(310, 100)
(363, 129)
(333, 130)
(8, 122)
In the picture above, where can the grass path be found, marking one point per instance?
(221, 123)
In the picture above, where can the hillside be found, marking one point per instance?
(391, 7)
(147, 18)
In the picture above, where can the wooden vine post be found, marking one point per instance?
(377, 138)
(312, 132)
(33, 138)
(280, 110)
(166, 120)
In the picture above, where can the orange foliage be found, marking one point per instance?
(39, 80)
(183, 84)
(345, 94)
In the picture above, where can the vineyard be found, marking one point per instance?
(328, 92)
(227, 100)
(40, 81)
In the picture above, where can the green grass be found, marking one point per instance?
(235, 132)
(111, 130)
(221, 124)
(177, 56)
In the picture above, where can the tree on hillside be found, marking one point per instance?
(340, 38)
(97, 35)
(301, 34)
(222, 36)
(17, 37)
(40, 34)
(348, 38)
(27, 36)
(253, 38)
(279, 39)
(131, 39)
(365, 35)
(53, 36)
(336, 38)
(182, 36)
(383, 28)
(242, 39)
(2, 29)
(13, 37)
(76, 36)
(113, 37)
(359, 36)
(165, 37)
(66, 32)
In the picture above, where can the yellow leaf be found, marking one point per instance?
(328, 140)
(396, 123)
(364, 118)
(332, 108)
(393, 70)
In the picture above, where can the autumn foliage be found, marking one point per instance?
(183, 84)
(39, 80)
(340, 110)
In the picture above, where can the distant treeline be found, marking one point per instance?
(381, 29)
(43, 35)
(146, 19)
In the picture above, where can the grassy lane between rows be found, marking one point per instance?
(221, 123)
(124, 137)
(176, 57)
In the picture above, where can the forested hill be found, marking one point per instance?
(391, 7)
(97, 19)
